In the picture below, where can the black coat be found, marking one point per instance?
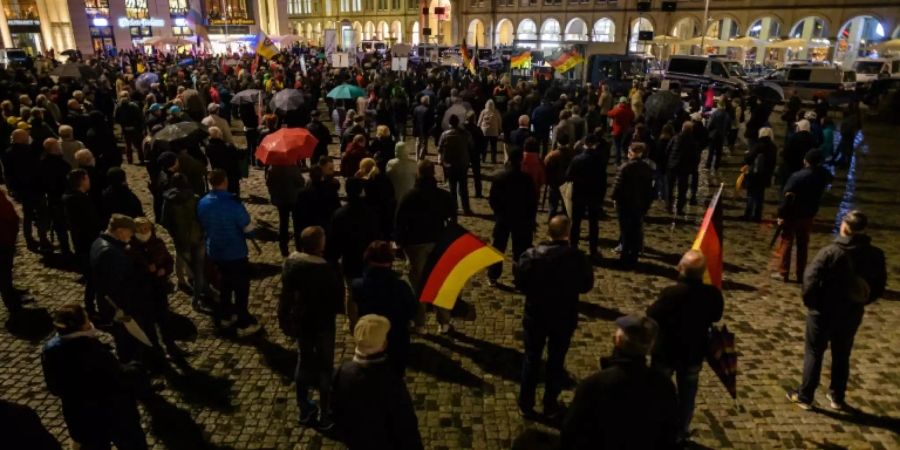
(20, 427)
(381, 291)
(372, 407)
(120, 200)
(802, 193)
(113, 273)
(423, 213)
(684, 154)
(797, 146)
(514, 199)
(353, 227)
(54, 170)
(633, 188)
(21, 170)
(312, 294)
(82, 219)
(761, 162)
(684, 313)
(587, 172)
(320, 131)
(316, 204)
(423, 121)
(829, 277)
(518, 137)
(225, 156)
(626, 405)
(552, 275)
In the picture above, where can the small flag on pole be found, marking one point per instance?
(264, 46)
(457, 256)
(520, 61)
(709, 240)
(567, 61)
(467, 57)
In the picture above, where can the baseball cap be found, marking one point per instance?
(371, 333)
(155, 107)
(640, 332)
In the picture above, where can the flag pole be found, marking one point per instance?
(705, 25)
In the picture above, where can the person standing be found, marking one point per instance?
(98, 404)
(9, 231)
(551, 275)
(224, 155)
(21, 170)
(682, 162)
(800, 201)
(632, 194)
(401, 171)
(118, 198)
(214, 120)
(83, 222)
(422, 216)
(53, 171)
(454, 149)
(423, 122)
(478, 151)
(760, 163)
(372, 406)
(589, 180)
(489, 121)
(626, 404)
(312, 293)
(179, 217)
(130, 117)
(798, 145)
(321, 133)
(284, 183)
(542, 119)
(845, 276)
(719, 126)
(622, 118)
(518, 136)
(513, 199)
(381, 291)
(684, 313)
(226, 225)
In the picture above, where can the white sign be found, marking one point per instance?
(125, 22)
(398, 64)
(340, 60)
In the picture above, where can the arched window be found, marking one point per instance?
(527, 30)
(765, 28)
(636, 46)
(576, 30)
(505, 32)
(415, 39)
(550, 30)
(809, 28)
(604, 31)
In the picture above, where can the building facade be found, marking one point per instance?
(92, 25)
(610, 24)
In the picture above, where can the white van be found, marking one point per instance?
(690, 70)
(870, 69)
(807, 81)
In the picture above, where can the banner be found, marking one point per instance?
(330, 41)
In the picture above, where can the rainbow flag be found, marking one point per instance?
(520, 61)
(567, 61)
(709, 241)
(456, 257)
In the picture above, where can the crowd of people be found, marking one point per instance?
(64, 170)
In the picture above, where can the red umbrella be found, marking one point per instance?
(286, 146)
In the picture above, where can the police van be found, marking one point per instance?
(808, 81)
(690, 71)
(870, 69)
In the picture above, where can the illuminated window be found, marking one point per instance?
(604, 31)
(178, 7)
(21, 10)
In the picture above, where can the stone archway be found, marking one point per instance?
(476, 34)
(853, 36)
(505, 32)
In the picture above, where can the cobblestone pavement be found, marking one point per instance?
(238, 393)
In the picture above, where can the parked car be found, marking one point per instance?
(617, 71)
(693, 71)
(12, 56)
(871, 69)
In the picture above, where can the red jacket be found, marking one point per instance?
(534, 167)
(622, 117)
(9, 222)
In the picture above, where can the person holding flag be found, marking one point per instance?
(551, 275)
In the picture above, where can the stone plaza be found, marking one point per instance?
(238, 393)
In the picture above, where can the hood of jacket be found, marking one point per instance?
(853, 242)
(178, 195)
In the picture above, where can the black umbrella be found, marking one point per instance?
(247, 96)
(768, 92)
(287, 100)
(73, 70)
(662, 106)
(179, 135)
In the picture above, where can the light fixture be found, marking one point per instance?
(180, 22)
(100, 22)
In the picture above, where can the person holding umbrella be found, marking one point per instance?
(684, 313)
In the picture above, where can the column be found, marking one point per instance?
(80, 27)
(159, 9)
(121, 34)
(4, 29)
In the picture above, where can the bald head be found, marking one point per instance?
(215, 132)
(20, 136)
(51, 146)
(559, 228)
(692, 265)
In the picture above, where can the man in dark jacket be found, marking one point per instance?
(83, 222)
(423, 121)
(422, 215)
(477, 151)
(21, 170)
(317, 202)
(118, 197)
(627, 404)
(632, 194)
(454, 149)
(845, 276)
(98, 404)
(798, 145)
(372, 406)
(800, 201)
(587, 172)
(353, 227)
(684, 313)
(551, 276)
(381, 291)
(179, 217)
(542, 119)
(518, 136)
(312, 293)
(322, 134)
(129, 116)
(9, 231)
(683, 159)
(224, 155)
(513, 199)
(53, 171)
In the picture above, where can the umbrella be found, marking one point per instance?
(287, 100)
(346, 92)
(144, 81)
(769, 92)
(286, 146)
(74, 70)
(662, 106)
(722, 358)
(744, 42)
(130, 325)
(178, 135)
(247, 96)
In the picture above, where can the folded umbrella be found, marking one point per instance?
(287, 100)
(346, 92)
(130, 325)
(286, 147)
(722, 357)
(247, 96)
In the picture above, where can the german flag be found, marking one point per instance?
(567, 61)
(520, 61)
(709, 241)
(457, 256)
(467, 60)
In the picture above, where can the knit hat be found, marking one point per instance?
(371, 333)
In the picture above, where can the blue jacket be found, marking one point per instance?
(225, 223)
